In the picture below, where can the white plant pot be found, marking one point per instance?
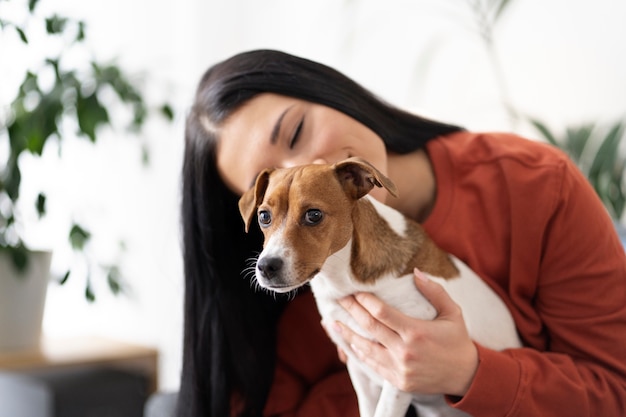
(22, 301)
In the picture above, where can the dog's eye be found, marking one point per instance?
(265, 218)
(313, 216)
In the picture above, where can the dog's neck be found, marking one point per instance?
(386, 242)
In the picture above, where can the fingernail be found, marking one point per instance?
(337, 327)
(356, 350)
(420, 275)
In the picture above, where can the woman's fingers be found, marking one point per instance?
(368, 351)
(428, 356)
(436, 295)
(380, 320)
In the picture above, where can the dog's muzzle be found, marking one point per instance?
(270, 268)
(272, 274)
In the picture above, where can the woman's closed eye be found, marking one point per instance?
(296, 134)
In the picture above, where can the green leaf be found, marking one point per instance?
(576, 139)
(56, 24)
(543, 129)
(90, 115)
(78, 237)
(36, 126)
(30, 129)
(114, 280)
(607, 154)
(32, 4)
(64, 279)
(89, 294)
(21, 34)
(19, 257)
(13, 178)
(140, 114)
(167, 111)
(54, 63)
(40, 205)
(80, 36)
(29, 84)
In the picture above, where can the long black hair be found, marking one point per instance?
(229, 330)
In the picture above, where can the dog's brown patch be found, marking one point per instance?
(377, 249)
(428, 257)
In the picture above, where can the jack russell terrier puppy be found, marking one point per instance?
(320, 226)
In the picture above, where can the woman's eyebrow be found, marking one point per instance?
(276, 129)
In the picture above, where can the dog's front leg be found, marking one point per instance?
(367, 391)
(392, 402)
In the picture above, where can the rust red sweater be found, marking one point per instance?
(524, 218)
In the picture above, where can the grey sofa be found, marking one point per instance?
(161, 404)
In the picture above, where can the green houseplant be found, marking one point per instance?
(77, 103)
(596, 151)
(594, 148)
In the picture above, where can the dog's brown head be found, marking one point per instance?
(305, 215)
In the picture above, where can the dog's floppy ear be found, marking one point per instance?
(358, 177)
(251, 199)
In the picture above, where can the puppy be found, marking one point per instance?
(320, 226)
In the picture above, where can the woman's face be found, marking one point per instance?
(271, 130)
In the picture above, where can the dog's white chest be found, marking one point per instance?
(487, 318)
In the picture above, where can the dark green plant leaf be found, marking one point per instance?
(607, 153)
(543, 129)
(30, 129)
(80, 35)
(114, 280)
(606, 171)
(576, 139)
(78, 237)
(32, 4)
(54, 63)
(617, 193)
(64, 279)
(19, 257)
(13, 178)
(40, 205)
(168, 112)
(140, 114)
(41, 123)
(21, 34)
(91, 114)
(89, 294)
(29, 84)
(56, 24)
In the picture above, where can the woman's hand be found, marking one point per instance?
(430, 357)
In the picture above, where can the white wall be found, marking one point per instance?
(563, 60)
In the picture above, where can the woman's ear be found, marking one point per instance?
(358, 177)
(252, 198)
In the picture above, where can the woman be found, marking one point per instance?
(516, 211)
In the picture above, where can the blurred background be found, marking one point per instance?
(486, 65)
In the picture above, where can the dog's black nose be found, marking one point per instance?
(270, 267)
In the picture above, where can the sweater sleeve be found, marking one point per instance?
(579, 367)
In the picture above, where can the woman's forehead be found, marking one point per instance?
(244, 138)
